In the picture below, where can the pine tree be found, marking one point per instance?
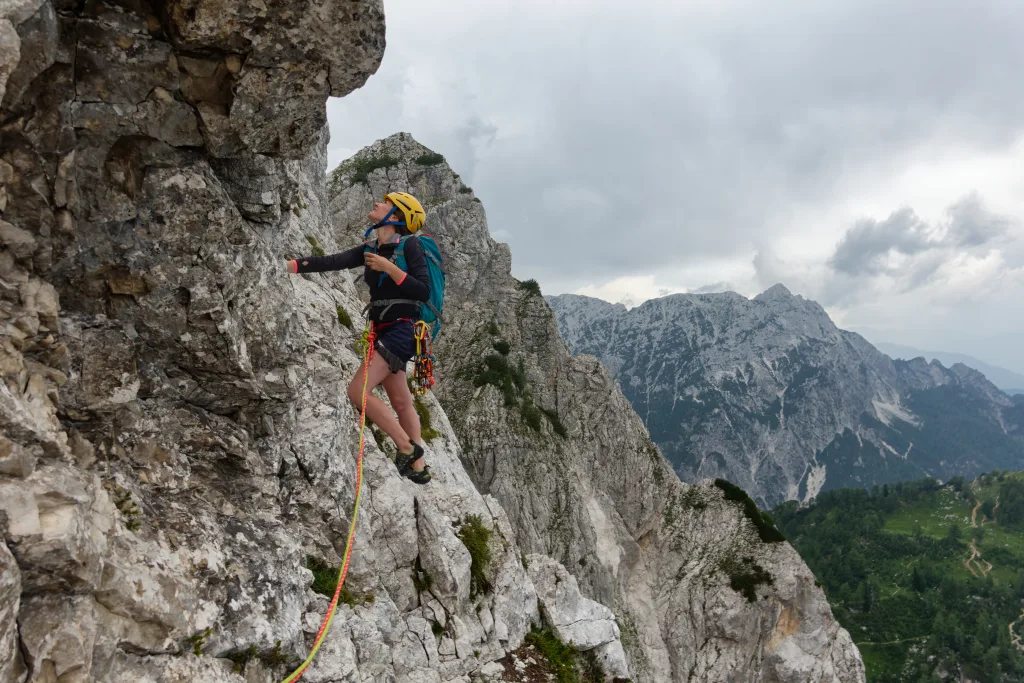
(917, 580)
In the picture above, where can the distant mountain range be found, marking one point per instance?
(1009, 381)
(769, 394)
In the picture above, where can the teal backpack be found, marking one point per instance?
(432, 309)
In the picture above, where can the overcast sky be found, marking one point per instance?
(867, 154)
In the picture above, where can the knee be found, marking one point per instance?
(402, 402)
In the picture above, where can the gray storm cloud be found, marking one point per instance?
(865, 246)
(693, 134)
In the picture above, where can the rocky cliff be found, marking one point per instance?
(177, 454)
(176, 446)
(700, 585)
(769, 394)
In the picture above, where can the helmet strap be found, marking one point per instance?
(384, 222)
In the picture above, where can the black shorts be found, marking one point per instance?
(396, 343)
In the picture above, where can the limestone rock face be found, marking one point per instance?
(177, 448)
(586, 624)
(175, 441)
(769, 394)
(12, 667)
(554, 441)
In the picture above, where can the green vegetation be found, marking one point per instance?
(958, 425)
(325, 577)
(124, 502)
(465, 189)
(567, 665)
(363, 167)
(745, 576)
(530, 413)
(198, 640)
(344, 318)
(475, 536)
(530, 286)
(498, 371)
(762, 521)
(920, 576)
(317, 249)
(269, 658)
(300, 205)
(427, 431)
(325, 581)
(429, 159)
(1011, 504)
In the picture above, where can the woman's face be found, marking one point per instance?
(380, 210)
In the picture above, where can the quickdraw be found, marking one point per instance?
(423, 361)
(365, 346)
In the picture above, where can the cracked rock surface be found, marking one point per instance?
(176, 447)
(176, 443)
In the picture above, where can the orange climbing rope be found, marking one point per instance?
(369, 336)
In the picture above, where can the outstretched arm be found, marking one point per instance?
(343, 260)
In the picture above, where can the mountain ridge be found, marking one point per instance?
(768, 393)
(1010, 381)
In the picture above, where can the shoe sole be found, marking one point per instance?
(412, 473)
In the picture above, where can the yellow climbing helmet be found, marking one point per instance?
(412, 210)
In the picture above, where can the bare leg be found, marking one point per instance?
(376, 410)
(402, 402)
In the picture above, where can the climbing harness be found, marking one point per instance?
(423, 361)
(431, 309)
(365, 346)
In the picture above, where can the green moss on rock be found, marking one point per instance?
(475, 536)
(427, 431)
(765, 527)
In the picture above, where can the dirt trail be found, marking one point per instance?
(967, 562)
(893, 642)
(984, 566)
(1015, 638)
(993, 520)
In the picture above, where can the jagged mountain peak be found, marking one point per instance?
(770, 394)
(776, 291)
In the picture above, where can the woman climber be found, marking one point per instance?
(395, 297)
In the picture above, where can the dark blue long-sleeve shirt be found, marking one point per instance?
(415, 285)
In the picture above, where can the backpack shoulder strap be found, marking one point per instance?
(402, 241)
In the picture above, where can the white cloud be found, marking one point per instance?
(705, 133)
